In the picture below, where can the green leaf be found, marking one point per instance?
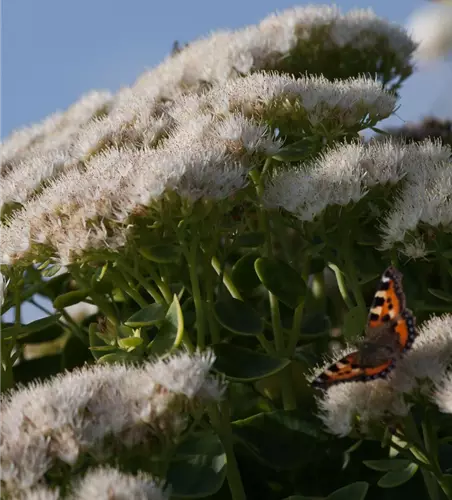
(130, 343)
(171, 332)
(150, 315)
(354, 322)
(440, 294)
(386, 464)
(280, 439)
(447, 254)
(243, 273)
(245, 365)
(163, 254)
(97, 342)
(70, 298)
(281, 280)
(238, 317)
(354, 491)
(116, 357)
(199, 466)
(22, 331)
(397, 477)
(48, 334)
(250, 240)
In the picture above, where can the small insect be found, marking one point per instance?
(390, 332)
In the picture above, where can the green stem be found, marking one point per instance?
(431, 447)
(221, 423)
(408, 453)
(192, 261)
(213, 323)
(340, 279)
(276, 324)
(124, 282)
(353, 278)
(146, 285)
(74, 327)
(227, 281)
(296, 327)
(104, 306)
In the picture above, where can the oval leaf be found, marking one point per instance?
(238, 317)
(130, 343)
(198, 468)
(150, 315)
(281, 280)
(245, 365)
(440, 294)
(243, 273)
(70, 298)
(163, 254)
(388, 464)
(397, 477)
(171, 332)
(294, 442)
(115, 357)
(354, 491)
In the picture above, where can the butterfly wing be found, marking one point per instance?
(405, 329)
(348, 369)
(387, 316)
(389, 299)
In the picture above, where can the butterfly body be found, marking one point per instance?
(389, 333)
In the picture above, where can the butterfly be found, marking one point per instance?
(390, 332)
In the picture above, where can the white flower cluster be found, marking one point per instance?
(138, 115)
(36, 153)
(75, 412)
(214, 143)
(423, 368)
(104, 483)
(425, 198)
(345, 173)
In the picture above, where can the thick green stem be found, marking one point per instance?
(146, 285)
(221, 423)
(192, 261)
(123, 281)
(213, 324)
(340, 279)
(352, 278)
(296, 327)
(227, 281)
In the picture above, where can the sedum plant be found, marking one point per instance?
(207, 237)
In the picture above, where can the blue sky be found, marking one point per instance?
(53, 51)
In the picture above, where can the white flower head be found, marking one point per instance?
(442, 393)
(3, 285)
(40, 493)
(336, 177)
(106, 483)
(76, 411)
(344, 406)
(429, 358)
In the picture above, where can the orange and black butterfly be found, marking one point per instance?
(390, 332)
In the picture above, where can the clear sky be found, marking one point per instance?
(55, 50)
